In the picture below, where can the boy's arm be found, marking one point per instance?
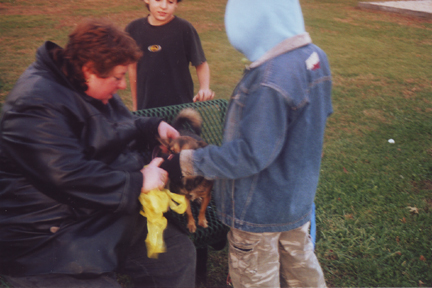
(204, 93)
(132, 80)
(257, 139)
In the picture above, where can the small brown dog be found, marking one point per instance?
(195, 188)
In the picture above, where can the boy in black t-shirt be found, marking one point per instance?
(162, 77)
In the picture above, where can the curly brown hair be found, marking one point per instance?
(99, 44)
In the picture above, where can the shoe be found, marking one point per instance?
(228, 281)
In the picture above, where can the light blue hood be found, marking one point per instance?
(255, 26)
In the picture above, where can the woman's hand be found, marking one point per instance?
(166, 132)
(154, 177)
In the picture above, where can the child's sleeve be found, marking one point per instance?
(257, 140)
(194, 50)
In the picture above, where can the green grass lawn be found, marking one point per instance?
(374, 200)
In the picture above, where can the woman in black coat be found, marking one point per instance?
(71, 172)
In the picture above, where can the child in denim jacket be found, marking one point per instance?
(267, 168)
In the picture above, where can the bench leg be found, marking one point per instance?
(201, 266)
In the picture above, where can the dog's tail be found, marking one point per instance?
(188, 116)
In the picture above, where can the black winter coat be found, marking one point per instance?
(69, 175)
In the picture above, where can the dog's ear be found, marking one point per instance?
(201, 144)
(164, 142)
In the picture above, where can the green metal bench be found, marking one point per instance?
(213, 115)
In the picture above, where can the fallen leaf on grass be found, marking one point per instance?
(345, 170)
(413, 210)
(403, 220)
(422, 258)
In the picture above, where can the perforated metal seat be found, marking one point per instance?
(213, 115)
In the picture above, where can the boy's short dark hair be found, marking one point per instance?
(148, 8)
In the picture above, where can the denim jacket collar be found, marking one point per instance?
(283, 47)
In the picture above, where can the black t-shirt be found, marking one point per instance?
(163, 76)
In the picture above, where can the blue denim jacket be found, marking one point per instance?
(268, 166)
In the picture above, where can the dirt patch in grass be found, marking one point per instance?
(361, 80)
(39, 7)
(423, 185)
(36, 8)
(390, 17)
(429, 205)
(66, 10)
(378, 115)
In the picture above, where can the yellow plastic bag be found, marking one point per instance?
(155, 203)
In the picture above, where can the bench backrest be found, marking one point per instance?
(212, 112)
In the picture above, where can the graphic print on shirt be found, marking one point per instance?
(154, 48)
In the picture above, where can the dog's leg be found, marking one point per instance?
(202, 221)
(191, 221)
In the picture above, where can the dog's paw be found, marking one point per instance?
(203, 222)
(192, 227)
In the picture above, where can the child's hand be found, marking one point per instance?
(204, 95)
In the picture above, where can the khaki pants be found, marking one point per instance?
(283, 259)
